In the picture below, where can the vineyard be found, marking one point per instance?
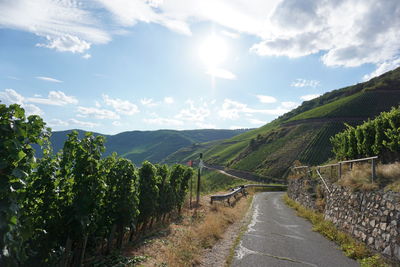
(380, 136)
(61, 207)
(321, 143)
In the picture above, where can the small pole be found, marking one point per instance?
(191, 187)
(198, 180)
(340, 170)
(373, 170)
(331, 172)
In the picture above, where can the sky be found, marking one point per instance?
(120, 65)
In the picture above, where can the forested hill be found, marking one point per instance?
(153, 146)
(303, 133)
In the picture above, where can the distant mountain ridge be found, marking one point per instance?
(153, 146)
(303, 133)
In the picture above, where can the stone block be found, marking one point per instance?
(372, 223)
(387, 251)
(370, 240)
(397, 252)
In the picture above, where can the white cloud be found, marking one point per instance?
(256, 121)
(10, 96)
(55, 98)
(382, 68)
(116, 123)
(57, 122)
(129, 12)
(66, 25)
(232, 110)
(82, 123)
(266, 99)
(121, 106)
(97, 113)
(48, 79)
(221, 73)
(169, 100)
(203, 125)
(230, 34)
(309, 97)
(194, 113)
(345, 32)
(72, 123)
(31, 109)
(305, 83)
(290, 104)
(87, 56)
(66, 43)
(163, 121)
(148, 102)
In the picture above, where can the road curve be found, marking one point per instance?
(276, 236)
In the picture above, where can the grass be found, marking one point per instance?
(187, 238)
(325, 110)
(349, 245)
(213, 181)
(182, 242)
(359, 178)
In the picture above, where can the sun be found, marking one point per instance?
(213, 51)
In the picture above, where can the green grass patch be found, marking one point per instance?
(213, 181)
(324, 110)
(349, 245)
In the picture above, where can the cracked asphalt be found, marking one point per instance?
(276, 236)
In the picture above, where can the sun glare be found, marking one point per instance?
(213, 51)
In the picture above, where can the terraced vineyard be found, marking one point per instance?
(322, 143)
(305, 131)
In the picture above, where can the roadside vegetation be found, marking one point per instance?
(185, 240)
(351, 248)
(359, 178)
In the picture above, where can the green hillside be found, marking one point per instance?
(153, 146)
(303, 133)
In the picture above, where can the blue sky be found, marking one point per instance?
(113, 66)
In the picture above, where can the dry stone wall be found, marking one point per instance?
(371, 217)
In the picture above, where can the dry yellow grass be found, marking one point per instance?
(183, 242)
(389, 173)
(359, 178)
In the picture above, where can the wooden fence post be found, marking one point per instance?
(340, 170)
(373, 170)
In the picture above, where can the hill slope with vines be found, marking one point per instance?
(303, 133)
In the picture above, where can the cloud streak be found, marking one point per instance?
(54, 98)
(305, 83)
(48, 79)
(309, 97)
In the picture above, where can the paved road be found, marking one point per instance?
(277, 237)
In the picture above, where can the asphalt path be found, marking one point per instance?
(276, 236)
